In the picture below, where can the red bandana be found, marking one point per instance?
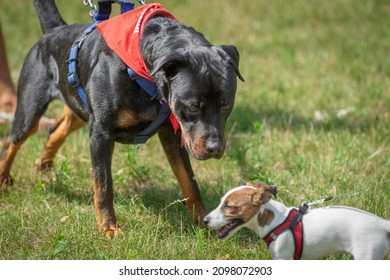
(122, 35)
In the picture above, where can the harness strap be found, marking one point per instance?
(293, 222)
(73, 73)
(103, 13)
(144, 135)
(148, 86)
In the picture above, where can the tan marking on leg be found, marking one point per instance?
(68, 123)
(104, 210)
(8, 156)
(192, 196)
(181, 168)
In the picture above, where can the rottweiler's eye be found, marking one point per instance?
(193, 109)
(224, 105)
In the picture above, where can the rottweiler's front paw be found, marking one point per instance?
(5, 181)
(43, 164)
(111, 231)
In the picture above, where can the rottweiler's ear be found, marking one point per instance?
(169, 64)
(235, 57)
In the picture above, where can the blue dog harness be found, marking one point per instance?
(148, 86)
(73, 76)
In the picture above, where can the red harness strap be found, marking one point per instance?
(293, 222)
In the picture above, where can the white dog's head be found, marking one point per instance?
(238, 207)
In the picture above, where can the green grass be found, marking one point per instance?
(297, 57)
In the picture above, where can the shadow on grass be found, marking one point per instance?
(167, 201)
(283, 119)
(160, 200)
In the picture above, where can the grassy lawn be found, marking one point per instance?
(313, 117)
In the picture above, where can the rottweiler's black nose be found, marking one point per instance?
(206, 220)
(213, 147)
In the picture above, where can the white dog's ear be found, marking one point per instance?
(261, 196)
(272, 189)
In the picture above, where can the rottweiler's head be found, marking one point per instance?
(199, 84)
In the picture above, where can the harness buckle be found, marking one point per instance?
(154, 96)
(273, 236)
(73, 79)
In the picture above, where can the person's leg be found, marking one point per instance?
(7, 91)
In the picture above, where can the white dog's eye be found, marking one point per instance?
(227, 206)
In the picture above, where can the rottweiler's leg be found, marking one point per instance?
(10, 148)
(28, 112)
(102, 148)
(181, 166)
(68, 123)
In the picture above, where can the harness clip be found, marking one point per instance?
(304, 207)
(90, 4)
(273, 236)
(73, 79)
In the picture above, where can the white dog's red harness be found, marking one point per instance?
(293, 222)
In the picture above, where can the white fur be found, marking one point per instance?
(327, 231)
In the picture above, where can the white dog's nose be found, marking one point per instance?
(206, 220)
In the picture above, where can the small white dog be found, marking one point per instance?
(291, 235)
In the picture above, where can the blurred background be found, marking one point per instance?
(312, 117)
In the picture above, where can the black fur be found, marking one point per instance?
(197, 80)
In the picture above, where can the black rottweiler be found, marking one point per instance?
(196, 79)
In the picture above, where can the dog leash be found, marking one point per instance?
(294, 220)
(306, 205)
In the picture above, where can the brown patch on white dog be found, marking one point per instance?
(265, 218)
